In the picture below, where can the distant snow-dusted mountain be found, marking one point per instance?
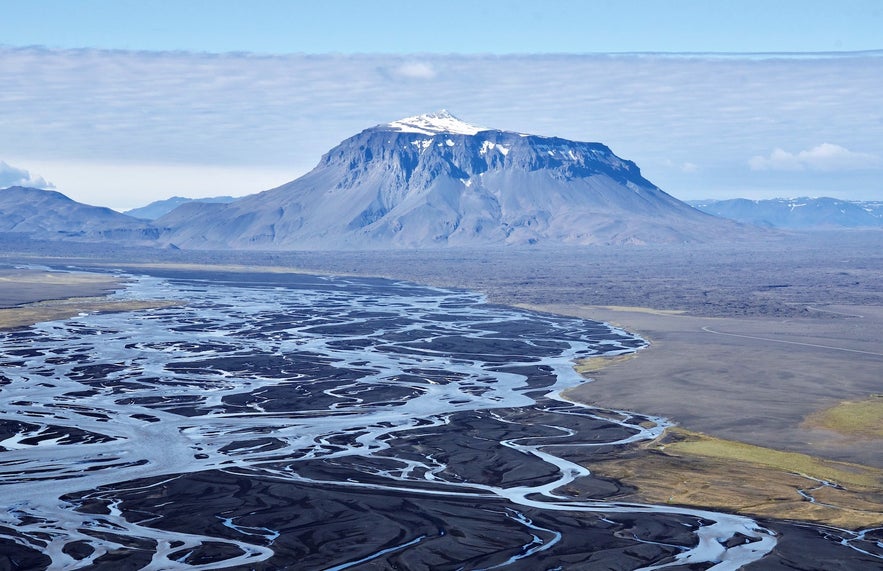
(874, 207)
(160, 208)
(50, 215)
(797, 213)
(434, 180)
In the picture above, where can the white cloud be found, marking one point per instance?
(13, 176)
(824, 157)
(415, 70)
(123, 186)
(686, 167)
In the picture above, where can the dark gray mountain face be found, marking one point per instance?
(160, 208)
(50, 215)
(433, 181)
(797, 213)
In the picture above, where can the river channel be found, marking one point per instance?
(307, 422)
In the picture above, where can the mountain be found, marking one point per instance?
(873, 207)
(50, 215)
(160, 208)
(796, 213)
(434, 180)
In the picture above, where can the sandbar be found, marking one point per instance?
(32, 296)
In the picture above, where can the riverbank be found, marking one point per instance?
(20, 286)
(777, 439)
(750, 380)
(32, 296)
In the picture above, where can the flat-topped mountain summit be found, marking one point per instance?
(433, 180)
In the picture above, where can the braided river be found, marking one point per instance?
(307, 422)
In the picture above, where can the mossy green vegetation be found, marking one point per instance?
(843, 473)
(863, 419)
(593, 364)
(693, 469)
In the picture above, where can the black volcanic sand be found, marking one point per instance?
(323, 526)
(320, 527)
(799, 548)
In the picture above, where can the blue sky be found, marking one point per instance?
(119, 103)
(452, 26)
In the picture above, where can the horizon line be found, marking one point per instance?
(765, 54)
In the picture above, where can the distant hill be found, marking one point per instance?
(875, 207)
(797, 213)
(50, 215)
(434, 180)
(160, 208)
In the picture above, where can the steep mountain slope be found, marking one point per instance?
(434, 180)
(50, 215)
(160, 208)
(796, 213)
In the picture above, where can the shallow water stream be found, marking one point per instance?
(325, 423)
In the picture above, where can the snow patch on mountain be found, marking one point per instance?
(434, 124)
(489, 146)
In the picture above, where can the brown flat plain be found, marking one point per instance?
(789, 387)
(752, 380)
(20, 286)
(32, 296)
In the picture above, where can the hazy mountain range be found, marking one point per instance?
(432, 181)
(160, 208)
(797, 213)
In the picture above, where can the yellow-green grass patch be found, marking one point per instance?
(594, 364)
(693, 469)
(863, 418)
(843, 473)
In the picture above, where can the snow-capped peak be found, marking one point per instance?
(433, 124)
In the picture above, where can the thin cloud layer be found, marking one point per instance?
(252, 112)
(415, 70)
(824, 157)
